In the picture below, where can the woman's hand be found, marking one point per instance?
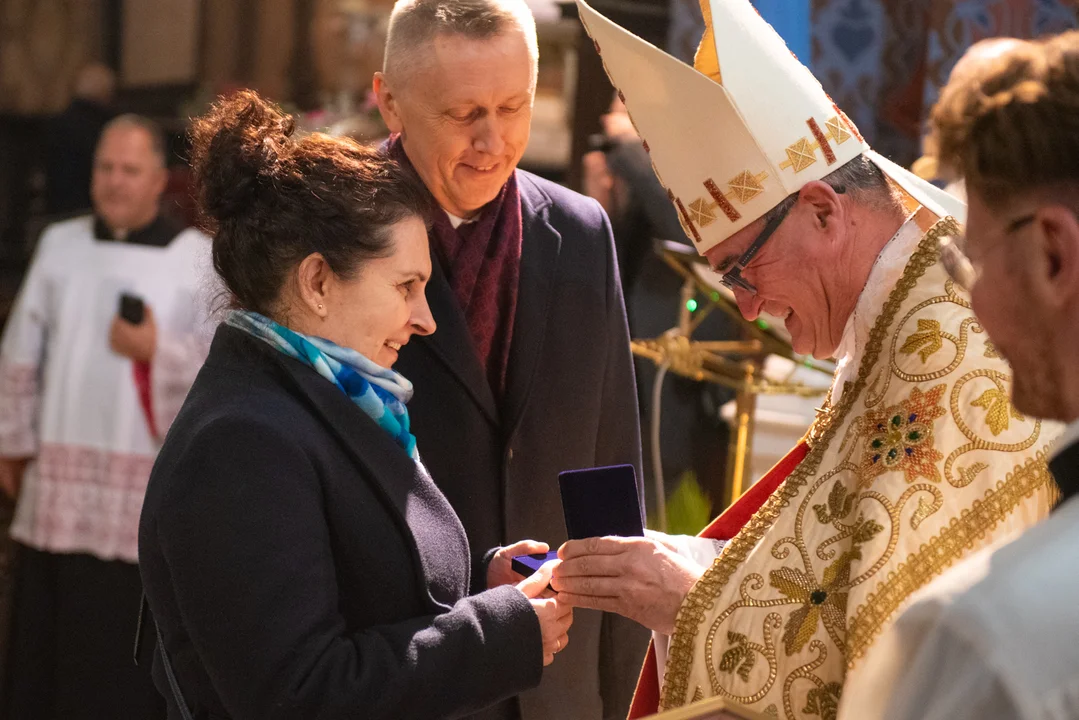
(555, 617)
(500, 570)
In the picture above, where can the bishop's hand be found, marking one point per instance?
(642, 579)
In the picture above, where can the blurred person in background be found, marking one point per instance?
(994, 637)
(71, 138)
(530, 369)
(105, 338)
(618, 173)
(978, 56)
(693, 440)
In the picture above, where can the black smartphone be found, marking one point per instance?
(132, 309)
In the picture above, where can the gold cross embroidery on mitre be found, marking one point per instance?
(743, 187)
(803, 152)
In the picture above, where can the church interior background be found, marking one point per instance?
(882, 61)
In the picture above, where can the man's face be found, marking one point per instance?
(464, 112)
(128, 178)
(794, 273)
(1008, 309)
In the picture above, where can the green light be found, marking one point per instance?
(715, 296)
(763, 325)
(691, 305)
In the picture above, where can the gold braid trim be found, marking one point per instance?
(940, 552)
(701, 597)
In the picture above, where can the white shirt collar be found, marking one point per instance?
(458, 221)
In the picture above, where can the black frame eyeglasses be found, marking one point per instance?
(732, 279)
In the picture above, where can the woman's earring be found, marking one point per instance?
(320, 306)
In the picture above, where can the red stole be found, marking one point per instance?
(724, 527)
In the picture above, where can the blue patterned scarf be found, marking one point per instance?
(379, 392)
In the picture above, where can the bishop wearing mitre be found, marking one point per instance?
(917, 458)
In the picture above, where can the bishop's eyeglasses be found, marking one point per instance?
(732, 279)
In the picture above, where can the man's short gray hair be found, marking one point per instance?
(415, 23)
(151, 128)
(860, 179)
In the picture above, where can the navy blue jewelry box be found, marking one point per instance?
(595, 502)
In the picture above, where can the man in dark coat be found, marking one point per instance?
(530, 371)
(71, 138)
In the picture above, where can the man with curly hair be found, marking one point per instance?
(992, 638)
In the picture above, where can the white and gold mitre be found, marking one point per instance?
(748, 125)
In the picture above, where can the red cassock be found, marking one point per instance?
(724, 527)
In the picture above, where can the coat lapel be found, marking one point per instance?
(539, 261)
(401, 481)
(451, 343)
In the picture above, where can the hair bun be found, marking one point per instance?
(238, 147)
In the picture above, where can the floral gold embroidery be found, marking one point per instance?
(998, 408)
(772, 623)
(967, 474)
(991, 350)
(701, 597)
(826, 600)
(824, 701)
(840, 505)
(926, 341)
(805, 672)
(739, 658)
(902, 438)
(941, 551)
(959, 476)
(840, 543)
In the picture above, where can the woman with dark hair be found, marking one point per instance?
(297, 557)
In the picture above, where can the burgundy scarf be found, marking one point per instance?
(482, 260)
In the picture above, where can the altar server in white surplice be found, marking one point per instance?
(85, 398)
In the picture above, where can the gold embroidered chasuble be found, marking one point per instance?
(922, 461)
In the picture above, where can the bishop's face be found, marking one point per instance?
(464, 113)
(794, 276)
